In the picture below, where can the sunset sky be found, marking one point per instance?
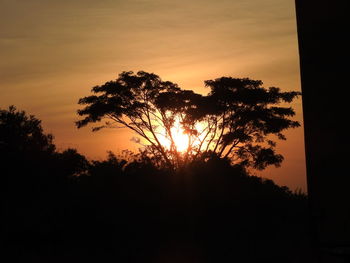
(53, 52)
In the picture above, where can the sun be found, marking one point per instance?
(180, 138)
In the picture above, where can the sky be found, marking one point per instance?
(53, 52)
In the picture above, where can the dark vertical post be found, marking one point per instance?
(325, 79)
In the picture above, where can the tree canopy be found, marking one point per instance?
(23, 134)
(26, 149)
(238, 120)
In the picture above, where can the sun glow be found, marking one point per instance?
(179, 137)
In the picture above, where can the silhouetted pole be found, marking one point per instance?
(324, 63)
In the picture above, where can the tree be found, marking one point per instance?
(234, 121)
(242, 117)
(23, 134)
(130, 102)
(71, 163)
(26, 151)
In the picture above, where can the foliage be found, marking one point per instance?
(234, 121)
(71, 163)
(130, 101)
(22, 133)
(25, 148)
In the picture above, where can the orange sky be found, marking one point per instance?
(53, 52)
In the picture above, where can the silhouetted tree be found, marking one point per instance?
(240, 117)
(35, 177)
(71, 163)
(108, 168)
(25, 146)
(130, 101)
(23, 134)
(25, 150)
(235, 120)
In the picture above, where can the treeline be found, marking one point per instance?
(58, 206)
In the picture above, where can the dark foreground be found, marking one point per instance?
(208, 213)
